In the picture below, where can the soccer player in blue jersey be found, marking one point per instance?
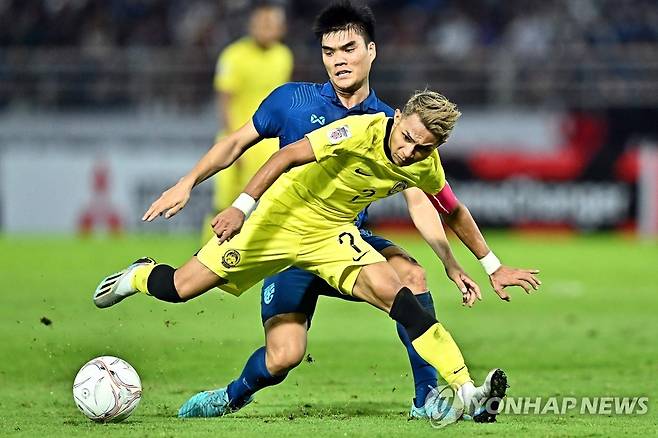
(289, 298)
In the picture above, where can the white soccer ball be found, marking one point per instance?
(107, 389)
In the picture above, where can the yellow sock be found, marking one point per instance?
(438, 348)
(140, 278)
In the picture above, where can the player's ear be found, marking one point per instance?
(372, 50)
(397, 115)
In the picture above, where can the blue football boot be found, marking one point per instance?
(209, 404)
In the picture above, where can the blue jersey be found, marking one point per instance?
(297, 108)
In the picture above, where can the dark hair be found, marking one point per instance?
(343, 15)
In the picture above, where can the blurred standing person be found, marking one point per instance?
(247, 71)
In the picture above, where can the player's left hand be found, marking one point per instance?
(506, 276)
(469, 289)
(228, 223)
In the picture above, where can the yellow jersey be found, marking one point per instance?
(249, 73)
(351, 170)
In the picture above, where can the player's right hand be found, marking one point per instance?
(228, 223)
(170, 202)
(469, 289)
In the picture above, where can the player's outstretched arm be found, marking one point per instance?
(224, 153)
(459, 219)
(228, 223)
(427, 222)
(500, 276)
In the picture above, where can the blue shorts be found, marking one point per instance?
(296, 290)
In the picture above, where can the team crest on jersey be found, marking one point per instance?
(230, 258)
(339, 134)
(268, 294)
(398, 187)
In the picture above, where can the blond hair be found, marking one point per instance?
(437, 113)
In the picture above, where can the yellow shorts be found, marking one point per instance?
(262, 249)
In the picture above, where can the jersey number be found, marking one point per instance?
(350, 238)
(367, 193)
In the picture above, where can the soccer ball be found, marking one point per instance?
(107, 389)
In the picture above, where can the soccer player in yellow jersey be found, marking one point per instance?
(310, 193)
(247, 71)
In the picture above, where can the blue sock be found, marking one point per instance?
(254, 377)
(425, 376)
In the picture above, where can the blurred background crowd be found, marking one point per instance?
(453, 27)
(590, 53)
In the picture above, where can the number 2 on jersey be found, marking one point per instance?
(367, 193)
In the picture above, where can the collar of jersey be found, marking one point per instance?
(371, 101)
(385, 149)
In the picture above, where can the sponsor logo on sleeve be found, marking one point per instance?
(339, 134)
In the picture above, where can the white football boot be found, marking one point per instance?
(482, 403)
(118, 286)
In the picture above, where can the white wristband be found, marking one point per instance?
(244, 203)
(490, 263)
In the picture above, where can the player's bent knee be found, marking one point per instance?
(414, 278)
(284, 357)
(377, 284)
(411, 273)
(285, 342)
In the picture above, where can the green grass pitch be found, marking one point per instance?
(590, 331)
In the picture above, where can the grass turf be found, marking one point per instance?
(591, 331)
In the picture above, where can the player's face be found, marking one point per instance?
(267, 26)
(348, 59)
(410, 140)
